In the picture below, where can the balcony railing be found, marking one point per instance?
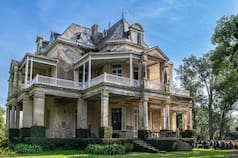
(104, 78)
(177, 91)
(154, 85)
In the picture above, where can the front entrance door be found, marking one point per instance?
(116, 118)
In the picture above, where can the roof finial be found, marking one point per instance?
(109, 23)
(122, 15)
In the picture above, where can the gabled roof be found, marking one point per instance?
(157, 53)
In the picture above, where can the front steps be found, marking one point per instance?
(144, 146)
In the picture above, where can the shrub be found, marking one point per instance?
(110, 149)
(7, 152)
(187, 134)
(28, 149)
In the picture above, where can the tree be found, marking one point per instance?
(196, 76)
(225, 64)
(2, 124)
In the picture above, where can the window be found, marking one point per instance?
(136, 75)
(116, 69)
(139, 38)
(116, 118)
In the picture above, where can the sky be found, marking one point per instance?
(181, 28)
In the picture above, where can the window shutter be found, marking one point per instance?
(123, 118)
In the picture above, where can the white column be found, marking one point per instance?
(26, 70)
(17, 116)
(167, 115)
(184, 120)
(27, 112)
(81, 114)
(12, 119)
(174, 121)
(19, 78)
(89, 70)
(163, 122)
(131, 69)
(38, 109)
(104, 122)
(143, 115)
(31, 68)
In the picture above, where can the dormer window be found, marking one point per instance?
(135, 34)
(139, 38)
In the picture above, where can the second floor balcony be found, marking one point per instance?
(104, 78)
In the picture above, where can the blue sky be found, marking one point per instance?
(179, 27)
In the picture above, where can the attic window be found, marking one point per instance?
(139, 38)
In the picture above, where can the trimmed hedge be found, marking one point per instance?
(13, 132)
(82, 133)
(187, 134)
(28, 149)
(25, 132)
(74, 143)
(110, 149)
(167, 145)
(37, 131)
(105, 132)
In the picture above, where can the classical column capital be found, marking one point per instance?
(39, 94)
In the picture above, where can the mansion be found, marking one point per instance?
(84, 83)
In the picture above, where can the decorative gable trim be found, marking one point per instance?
(157, 53)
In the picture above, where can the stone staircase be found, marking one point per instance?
(144, 146)
(183, 146)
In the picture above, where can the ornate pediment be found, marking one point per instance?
(157, 53)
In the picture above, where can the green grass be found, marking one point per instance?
(198, 153)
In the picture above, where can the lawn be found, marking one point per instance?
(200, 153)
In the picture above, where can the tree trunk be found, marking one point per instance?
(222, 124)
(210, 116)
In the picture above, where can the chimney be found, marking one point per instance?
(39, 43)
(94, 30)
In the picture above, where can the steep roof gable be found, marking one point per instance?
(156, 52)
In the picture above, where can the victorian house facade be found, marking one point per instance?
(84, 83)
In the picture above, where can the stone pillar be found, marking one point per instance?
(89, 70)
(163, 122)
(26, 70)
(190, 118)
(27, 107)
(104, 130)
(38, 126)
(27, 112)
(143, 119)
(167, 115)
(12, 119)
(173, 121)
(17, 116)
(143, 115)
(38, 108)
(15, 78)
(82, 131)
(184, 120)
(131, 69)
(104, 109)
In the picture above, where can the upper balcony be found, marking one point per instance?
(104, 78)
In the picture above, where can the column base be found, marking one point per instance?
(143, 134)
(105, 132)
(82, 133)
(25, 132)
(37, 131)
(13, 132)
